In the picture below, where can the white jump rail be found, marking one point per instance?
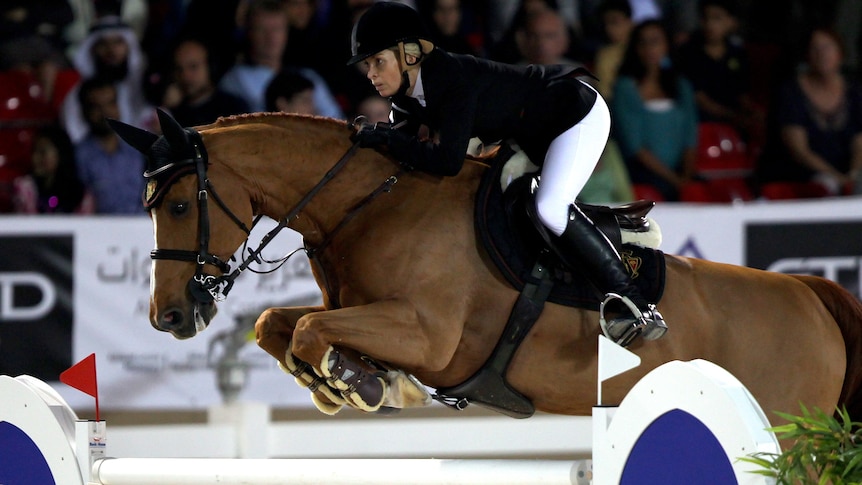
(694, 410)
(359, 471)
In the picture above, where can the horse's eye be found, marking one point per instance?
(179, 208)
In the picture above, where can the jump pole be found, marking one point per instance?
(360, 471)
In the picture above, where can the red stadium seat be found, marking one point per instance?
(23, 110)
(723, 164)
(721, 152)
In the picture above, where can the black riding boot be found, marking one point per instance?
(586, 246)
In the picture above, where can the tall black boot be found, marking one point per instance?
(585, 246)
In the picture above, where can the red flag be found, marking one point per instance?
(82, 376)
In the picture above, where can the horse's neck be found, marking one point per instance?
(285, 158)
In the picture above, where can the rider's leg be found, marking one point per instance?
(569, 162)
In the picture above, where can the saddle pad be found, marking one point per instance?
(512, 242)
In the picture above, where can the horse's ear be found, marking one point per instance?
(140, 140)
(173, 131)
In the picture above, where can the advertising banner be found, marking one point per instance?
(819, 237)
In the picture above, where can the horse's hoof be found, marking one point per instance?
(325, 406)
(361, 387)
(325, 398)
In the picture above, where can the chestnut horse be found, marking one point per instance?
(406, 282)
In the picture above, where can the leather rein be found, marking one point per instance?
(206, 288)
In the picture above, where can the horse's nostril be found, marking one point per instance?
(171, 319)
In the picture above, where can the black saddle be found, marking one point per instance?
(513, 242)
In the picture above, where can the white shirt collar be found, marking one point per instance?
(419, 90)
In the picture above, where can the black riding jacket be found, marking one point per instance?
(470, 97)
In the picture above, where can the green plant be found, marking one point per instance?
(825, 450)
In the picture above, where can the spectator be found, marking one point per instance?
(679, 18)
(819, 117)
(267, 34)
(86, 13)
(291, 92)
(53, 186)
(20, 19)
(544, 39)
(655, 113)
(306, 35)
(375, 109)
(616, 20)
(445, 22)
(193, 98)
(110, 169)
(502, 18)
(110, 52)
(715, 62)
(506, 49)
(216, 23)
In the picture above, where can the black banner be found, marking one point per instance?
(829, 249)
(36, 305)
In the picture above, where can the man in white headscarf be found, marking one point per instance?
(111, 51)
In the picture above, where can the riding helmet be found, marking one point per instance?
(384, 25)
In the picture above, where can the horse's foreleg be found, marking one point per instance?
(389, 331)
(275, 326)
(274, 330)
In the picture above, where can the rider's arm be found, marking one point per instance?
(445, 153)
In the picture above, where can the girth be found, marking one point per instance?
(488, 386)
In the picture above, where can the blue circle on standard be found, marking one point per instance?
(21, 461)
(677, 449)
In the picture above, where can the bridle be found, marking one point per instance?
(206, 288)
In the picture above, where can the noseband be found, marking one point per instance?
(206, 288)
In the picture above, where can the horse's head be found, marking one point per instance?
(194, 239)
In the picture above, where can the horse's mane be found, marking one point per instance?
(278, 118)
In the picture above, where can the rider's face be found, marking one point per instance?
(384, 72)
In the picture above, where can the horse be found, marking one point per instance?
(405, 281)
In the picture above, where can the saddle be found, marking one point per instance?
(525, 259)
(511, 238)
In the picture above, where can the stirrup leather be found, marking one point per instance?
(623, 330)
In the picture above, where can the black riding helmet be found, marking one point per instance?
(385, 25)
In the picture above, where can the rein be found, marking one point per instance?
(207, 288)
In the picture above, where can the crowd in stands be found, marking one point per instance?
(711, 100)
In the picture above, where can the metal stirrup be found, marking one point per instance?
(633, 330)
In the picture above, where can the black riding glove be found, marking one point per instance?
(372, 136)
(383, 134)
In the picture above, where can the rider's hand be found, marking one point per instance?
(371, 136)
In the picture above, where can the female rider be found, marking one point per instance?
(559, 121)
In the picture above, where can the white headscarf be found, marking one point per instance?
(134, 108)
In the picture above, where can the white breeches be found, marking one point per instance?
(570, 161)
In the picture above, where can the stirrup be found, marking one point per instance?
(623, 330)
